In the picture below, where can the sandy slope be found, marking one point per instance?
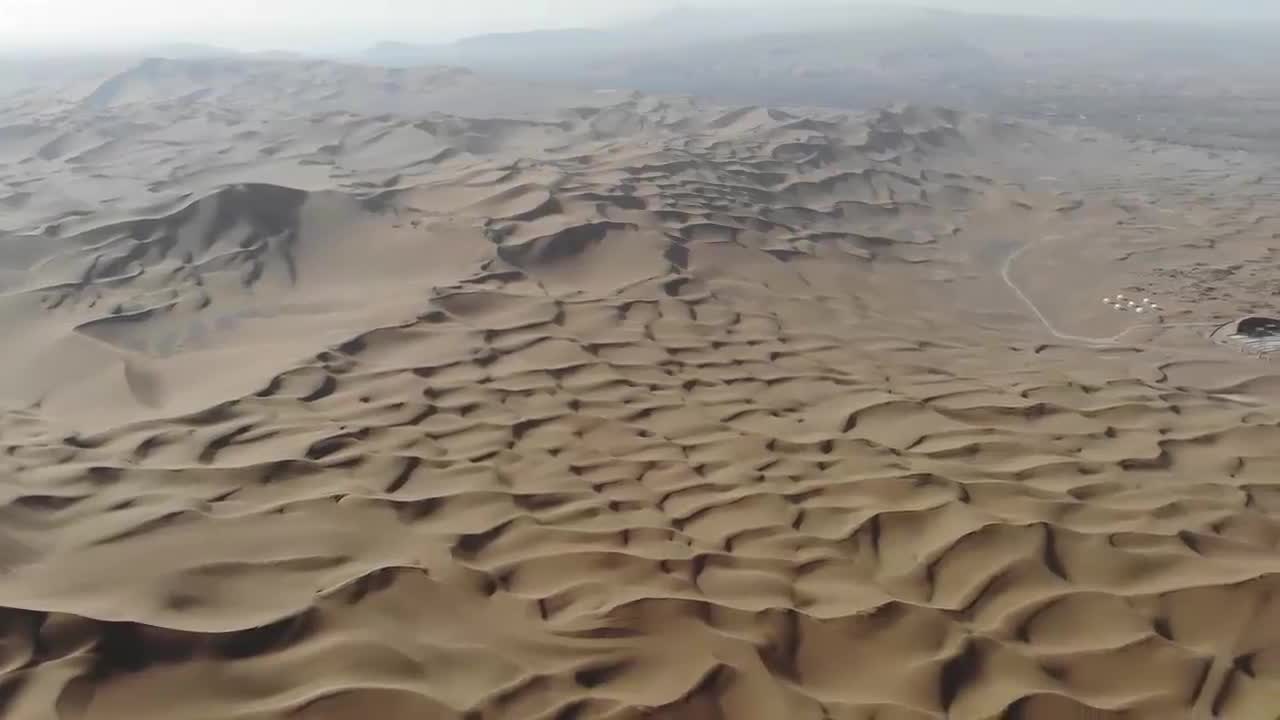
(634, 408)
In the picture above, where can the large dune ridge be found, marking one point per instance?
(403, 394)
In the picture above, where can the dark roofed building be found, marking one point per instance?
(1255, 335)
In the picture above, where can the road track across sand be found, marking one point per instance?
(1026, 299)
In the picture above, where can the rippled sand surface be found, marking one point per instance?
(410, 396)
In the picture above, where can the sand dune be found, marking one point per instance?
(632, 408)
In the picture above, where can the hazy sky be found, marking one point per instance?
(333, 24)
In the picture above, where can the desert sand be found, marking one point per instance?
(334, 392)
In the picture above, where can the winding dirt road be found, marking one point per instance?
(1110, 340)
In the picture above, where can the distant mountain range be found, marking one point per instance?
(1122, 74)
(1119, 74)
(824, 57)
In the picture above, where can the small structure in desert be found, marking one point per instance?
(1254, 334)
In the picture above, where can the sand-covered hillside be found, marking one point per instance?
(333, 392)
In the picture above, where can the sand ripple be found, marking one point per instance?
(728, 417)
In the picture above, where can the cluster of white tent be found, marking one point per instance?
(1125, 304)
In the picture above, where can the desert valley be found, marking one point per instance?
(336, 389)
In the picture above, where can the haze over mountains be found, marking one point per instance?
(1202, 83)
(498, 388)
(1132, 76)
